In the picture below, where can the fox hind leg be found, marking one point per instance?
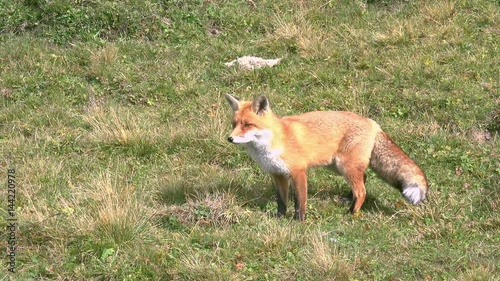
(354, 173)
(299, 180)
(359, 192)
(350, 196)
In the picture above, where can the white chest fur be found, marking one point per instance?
(268, 158)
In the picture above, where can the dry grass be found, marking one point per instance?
(218, 209)
(401, 31)
(119, 126)
(438, 11)
(322, 258)
(103, 202)
(197, 265)
(114, 207)
(297, 31)
(272, 234)
(103, 60)
(41, 172)
(478, 272)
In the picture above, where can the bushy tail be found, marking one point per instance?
(395, 167)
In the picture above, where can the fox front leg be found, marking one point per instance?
(282, 186)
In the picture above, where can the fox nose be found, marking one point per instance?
(230, 139)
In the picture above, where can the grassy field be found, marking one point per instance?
(114, 125)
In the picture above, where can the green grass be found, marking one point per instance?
(113, 116)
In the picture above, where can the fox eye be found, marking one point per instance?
(247, 125)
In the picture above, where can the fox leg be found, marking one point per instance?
(350, 195)
(299, 180)
(282, 185)
(355, 178)
(354, 173)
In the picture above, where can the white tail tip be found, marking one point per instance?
(414, 194)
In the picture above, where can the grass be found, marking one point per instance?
(113, 116)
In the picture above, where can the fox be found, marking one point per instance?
(347, 143)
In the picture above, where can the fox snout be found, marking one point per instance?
(246, 138)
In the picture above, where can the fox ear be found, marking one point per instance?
(234, 102)
(260, 105)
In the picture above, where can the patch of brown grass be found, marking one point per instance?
(299, 32)
(118, 125)
(438, 11)
(113, 208)
(478, 272)
(321, 258)
(218, 209)
(102, 60)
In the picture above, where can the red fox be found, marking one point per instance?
(342, 141)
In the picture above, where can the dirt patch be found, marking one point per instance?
(481, 136)
(6, 92)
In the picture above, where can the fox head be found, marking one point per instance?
(250, 120)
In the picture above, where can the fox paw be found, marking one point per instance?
(357, 214)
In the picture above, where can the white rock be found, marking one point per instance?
(249, 62)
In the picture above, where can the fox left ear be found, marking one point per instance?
(234, 102)
(260, 105)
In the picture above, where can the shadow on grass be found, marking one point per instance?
(253, 195)
(373, 205)
(195, 198)
(344, 197)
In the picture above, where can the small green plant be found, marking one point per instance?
(106, 254)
